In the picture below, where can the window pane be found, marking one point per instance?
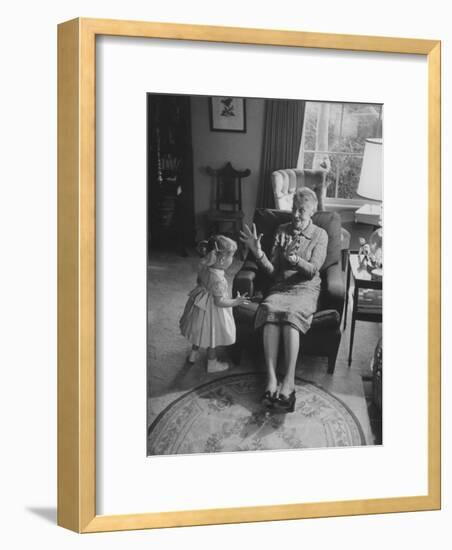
(308, 160)
(310, 125)
(340, 128)
(334, 126)
(345, 170)
(349, 177)
(368, 118)
(358, 123)
(332, 174)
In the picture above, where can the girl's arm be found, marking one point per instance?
(220, 293)
(222, 301)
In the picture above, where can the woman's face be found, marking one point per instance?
(303, 209)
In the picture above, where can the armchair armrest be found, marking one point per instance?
(244, 282)
(333, 293)
(250, 265)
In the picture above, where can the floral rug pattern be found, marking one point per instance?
(225, 415)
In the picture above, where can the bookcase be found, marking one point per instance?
(169, 173)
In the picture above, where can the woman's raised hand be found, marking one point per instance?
(252, 239)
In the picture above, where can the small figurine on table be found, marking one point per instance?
(364, 254)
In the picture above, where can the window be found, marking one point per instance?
(334, 135)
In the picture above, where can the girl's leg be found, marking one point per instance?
(213, 365)
(193, 353)
(291, 338)
(271, 336)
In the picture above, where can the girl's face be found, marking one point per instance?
(303, 209)
(225, 261)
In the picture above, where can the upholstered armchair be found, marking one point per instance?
(285, 182)
(324, 336)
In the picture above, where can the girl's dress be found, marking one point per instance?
(203, 323)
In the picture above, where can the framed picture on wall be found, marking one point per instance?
(227, 114)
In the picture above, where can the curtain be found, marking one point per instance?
(283, 128)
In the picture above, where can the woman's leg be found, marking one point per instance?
(291, 338)
(271, 336)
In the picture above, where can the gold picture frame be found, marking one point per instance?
(77, 264)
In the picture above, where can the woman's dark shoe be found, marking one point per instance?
(286, 403)
(268, 399)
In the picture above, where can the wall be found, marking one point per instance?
(28, 280)
(243, 150)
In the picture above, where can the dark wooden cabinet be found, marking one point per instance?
(170, 173)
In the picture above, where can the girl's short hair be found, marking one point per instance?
(305, 192)
(222, 244)
(216, 245)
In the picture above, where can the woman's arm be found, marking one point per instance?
(309, 269)
(253, 242)
(271, 266)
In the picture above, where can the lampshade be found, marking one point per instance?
(371, 179)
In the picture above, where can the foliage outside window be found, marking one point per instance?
(334, 134)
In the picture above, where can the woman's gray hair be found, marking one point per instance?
(305, 192)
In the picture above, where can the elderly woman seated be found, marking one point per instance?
(298, 252)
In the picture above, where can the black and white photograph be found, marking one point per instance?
(265, 275)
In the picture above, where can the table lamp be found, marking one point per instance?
(371, 187)
(371, 182)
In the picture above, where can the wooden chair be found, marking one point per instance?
(227, 209)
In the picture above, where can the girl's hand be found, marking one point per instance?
(252, 240)
(241, 300)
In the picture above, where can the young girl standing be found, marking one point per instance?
(207, 321)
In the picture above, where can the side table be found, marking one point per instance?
(367, 294)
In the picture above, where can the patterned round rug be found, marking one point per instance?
(225, 415)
